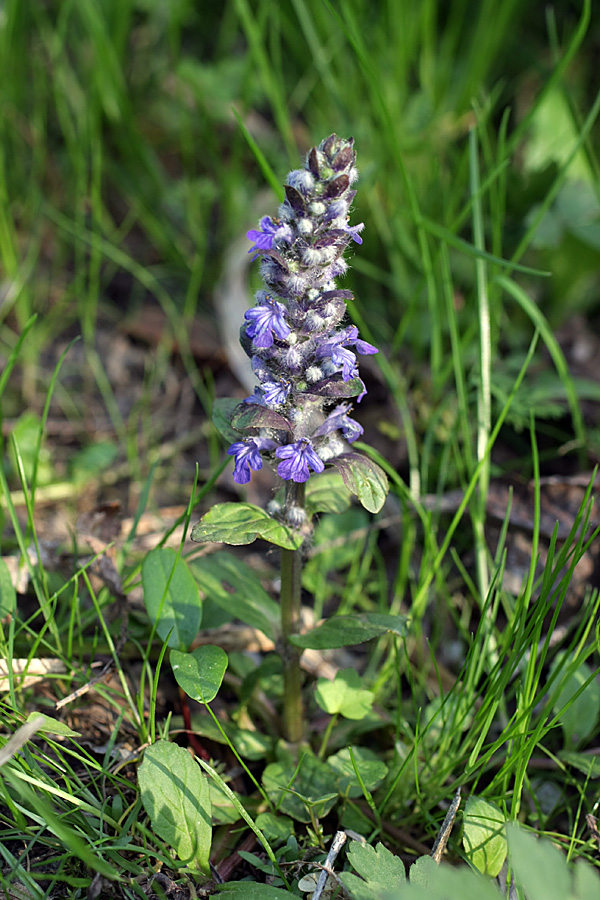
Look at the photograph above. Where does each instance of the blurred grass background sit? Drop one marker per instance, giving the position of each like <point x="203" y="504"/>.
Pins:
<point x="126" y="174"/>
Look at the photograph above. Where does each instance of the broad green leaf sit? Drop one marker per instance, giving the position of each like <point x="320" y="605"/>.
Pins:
<point x="577" y="717"/>
<point x="345" y="631"/>
<point x="586" y="884"/>
<point x="223" y="809"/>
<point x="276" y="829"/>
<point x="248" y="890"/>
<point x="380" y="869"/>
<point x="444" y="883"/>
<point x="222" y="410"/>
<point x="233" y="586"/>
<point x="588" y="765"/>
<point x="243" y="523"/>
<point x="249" y="744"/>
<point x="200" y="672"/>
<point x="344" y="695"/>
<point x="364" y="478"/>
<point x="422" y="871"/>
<point x="175" y="794"/>
<point x="327" y="493"/>
<point x="171" y="596"/>
<point x="371" y="768"/>
<point x="540" y="869"/>
<point x="484" y="835"/>
<point x="313" y="783"/>
<point x="50" y="725"/>
<point x="8" y="596"/>
<point x="253" y="416"/>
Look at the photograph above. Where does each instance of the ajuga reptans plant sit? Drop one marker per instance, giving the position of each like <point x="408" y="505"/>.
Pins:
<point x="303" y="353"/>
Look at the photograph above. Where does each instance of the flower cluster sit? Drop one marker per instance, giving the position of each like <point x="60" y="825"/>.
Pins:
<point x="302" y="355"/>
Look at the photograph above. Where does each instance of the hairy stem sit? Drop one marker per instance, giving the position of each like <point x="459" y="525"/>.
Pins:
<point x="291" y="587"/>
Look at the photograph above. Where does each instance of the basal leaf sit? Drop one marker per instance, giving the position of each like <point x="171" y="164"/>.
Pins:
<point x="247" y="890"/>
<point x="578" y="716"/>
<point x="242" y="523"/>
<point x="171" y="597"/>
<point x="380" y="869"/>
<point x="371" y="768"/>
<point x="175" y="795"/>
<point x="484" y="835"/>
<point x="345" y="631"/>
<point x="344" y="695"/>
<point x="200" y="672"/>
<point x="540" y="869"/>
<point x="311" y="787"/>
<point x="48" y="725"/>
<point x="231" y="584"/>
<point x="364" y="478"/>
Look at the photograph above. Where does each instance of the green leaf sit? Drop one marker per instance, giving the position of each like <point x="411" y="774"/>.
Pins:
<point x="175" y="795"/>
<point x="326" y="493"/>
<point x="364" y="478"/>
<point x="588" y="765"/>
<point x="222" y="411"/>
<point x="248" y="890"/>
<point x="242" y="523"/>
<point x="249" y="744"/>
<point x="540" y="868"/>
<point x="171" y="597"/>
<point x="484" y="835"/>
<point x="50" y="725"/>
<point x="200" y="672"/>
<point x="253" y="416"/>
<point x="344" y="695"/>
<point x="381" y="870"/>
<point x="372" y="770"/>
<point x="578" y="717"/>
<point x="345" y="631"/>
<point x="311" y="787"/>
<point x="276" y="829"/>
<point x="423" y="871"/>
<point x="233" y="586"/>
<point x="8" y="596"/>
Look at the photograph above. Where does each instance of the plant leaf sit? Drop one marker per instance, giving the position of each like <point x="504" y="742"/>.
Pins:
<point x="381" y="870"/>
<point x="242" y="523"/>
<point x="372" y="770"/>
<point x="248" y="890"/>
<point x="171" y="597"/>
<point x="364" y="478"/>
<point x="51" y="726"/>
<point x="345" y="631"/>
<point x="175" y="795"/>
<point x="326" y="493"/>
<point x="311" y="787"/>
<point x="484" y="835"/>
<point x="539" y="867"/>
<point x="252" y="415"/>
<point x="200" y="672"/>
<point x="578" y="717"/>
<point x="233" y="586"/>
<point x="344" y="695"/>
<point x="8" y="595"/>
<point x="222" y="411"/>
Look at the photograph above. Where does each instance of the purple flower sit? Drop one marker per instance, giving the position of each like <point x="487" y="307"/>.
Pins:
<point x="296" y="460"/>
<point x="269" y="232"/>
<point x="353" y="230"/>
<point x="276" y="391"/>
<point x="247" y="456"/>
<point x="339" y="419"/>
<point x="265" y="320"/>
<point x="337" y="350"/>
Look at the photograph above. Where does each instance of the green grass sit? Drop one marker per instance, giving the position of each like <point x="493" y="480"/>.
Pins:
<point x="136" y="141"/>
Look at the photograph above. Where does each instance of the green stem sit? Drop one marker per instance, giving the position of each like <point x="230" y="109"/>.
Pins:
<point x="291" y="588"/>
